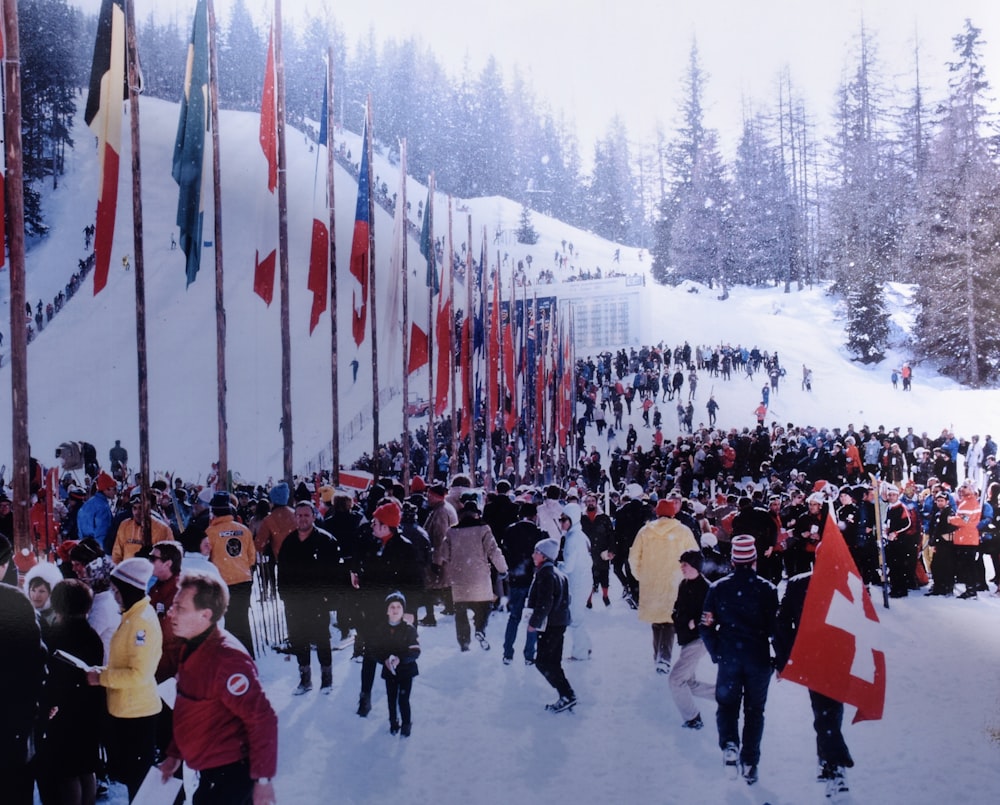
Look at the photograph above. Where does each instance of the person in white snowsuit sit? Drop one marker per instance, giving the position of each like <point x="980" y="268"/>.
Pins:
<point x="578" y="566"/>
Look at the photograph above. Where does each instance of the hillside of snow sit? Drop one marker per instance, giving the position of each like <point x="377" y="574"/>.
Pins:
<point x="82" y="367"/>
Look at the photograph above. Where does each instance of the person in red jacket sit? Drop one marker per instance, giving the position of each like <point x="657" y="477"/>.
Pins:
<point x="224" y="725"/>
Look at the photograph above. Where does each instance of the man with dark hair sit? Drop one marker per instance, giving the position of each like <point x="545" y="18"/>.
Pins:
<point x="309" y="565"/>
<point x="166" y="557"/>
<point x="22" y="673"/>
<point x="224" y="725"/>
<point x="518" y="544"/>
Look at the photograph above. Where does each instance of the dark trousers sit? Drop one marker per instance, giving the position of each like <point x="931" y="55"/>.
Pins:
<point x="309" y="625"/>
<point x="238" y="614"/>
<point x="548" y="659"/>
<point x="515" y="608"/>
<point x="943" y="567"/>
<point x="480" y="617"/>
<point x="225" y="785"/>
<point x="397" y="691"/>
<point x="900" y="558"/>
<point x="828" y="717"/>
<point x="624" y="573"/>
<point x="742" y="682"/>
<point x="131" y="745"/>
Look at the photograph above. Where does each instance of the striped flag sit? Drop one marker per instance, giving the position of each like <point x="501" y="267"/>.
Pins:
<point x="189" y="149"/>
<point x="443" y="329"/>
<point x="266" y="256"/>
<point x="319" y="250"/>
<point x="108" y="90"/>
<point x="360" y="246"/>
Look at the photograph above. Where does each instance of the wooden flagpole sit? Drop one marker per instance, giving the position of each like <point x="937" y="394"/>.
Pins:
<point x="286" y="338"/>
<point x="334" y="357"/>
<point x="404" y="279"/>
<point x="140" y="271"/>
<point x="470" y="407"/>
<point x="431" y="399"/>
<point x="220" y="303"/>
<point x="451" y="333"/>
<point x="489" y="376"/>
<point x="14" y="201"/>
<point x="371" y="289"/>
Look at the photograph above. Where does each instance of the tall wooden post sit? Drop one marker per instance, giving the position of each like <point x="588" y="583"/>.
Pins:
<point x="286" y="338"/>
<point x="220" y="306"/>
<point x="330" y="162"/>
<point x="134" y="81"/>
<point x="14" y="201"/>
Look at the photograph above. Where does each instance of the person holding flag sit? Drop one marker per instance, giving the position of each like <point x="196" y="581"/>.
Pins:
<point x="824" y="639"/>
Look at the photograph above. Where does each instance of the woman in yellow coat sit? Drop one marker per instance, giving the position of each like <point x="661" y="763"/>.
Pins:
<point x="130" y="677"/>
<point x="655" y="562"/>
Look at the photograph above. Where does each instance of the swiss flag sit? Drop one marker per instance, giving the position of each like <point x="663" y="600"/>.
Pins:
<point x="836" y="649"/>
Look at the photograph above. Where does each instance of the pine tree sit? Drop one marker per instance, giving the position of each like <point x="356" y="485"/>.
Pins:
<point x="681" y="157"/>
<point x="526" y="231"/>
<point x="864" y="230"/>
<point x="868" y="323"/>
<point x="958" y="225"/>
<point x="50" y="76"/>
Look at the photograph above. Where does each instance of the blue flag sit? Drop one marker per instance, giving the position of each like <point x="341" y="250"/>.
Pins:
<point x="189" y="149"/>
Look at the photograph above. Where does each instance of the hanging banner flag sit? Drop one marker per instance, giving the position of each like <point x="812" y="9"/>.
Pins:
<point x="108" y="90"/>
<point x="189" y="148"/>
<point x="360" y="246"/>
<point x="266" y="257"/>
<point x="319" y="244"/>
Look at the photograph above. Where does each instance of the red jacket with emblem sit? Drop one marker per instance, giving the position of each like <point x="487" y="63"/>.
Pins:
<point x="222" y="715"/>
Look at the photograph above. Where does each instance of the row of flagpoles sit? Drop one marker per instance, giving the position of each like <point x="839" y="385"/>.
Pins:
<point x="513" y="355"/>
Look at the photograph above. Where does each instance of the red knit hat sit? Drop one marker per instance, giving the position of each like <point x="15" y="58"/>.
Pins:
<point x="104" y="482"/>
<point x="668" y="507"/>
<point x="388" y="514"/>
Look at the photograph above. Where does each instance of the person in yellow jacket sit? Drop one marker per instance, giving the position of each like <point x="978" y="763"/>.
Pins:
<point x="232" y="551"/>
<point x="130" y="677"/>
<point x="128" y="539"/>
<point x="655" y="562"/>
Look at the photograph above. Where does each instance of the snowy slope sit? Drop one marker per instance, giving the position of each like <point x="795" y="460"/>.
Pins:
<point x="82" y="367"/>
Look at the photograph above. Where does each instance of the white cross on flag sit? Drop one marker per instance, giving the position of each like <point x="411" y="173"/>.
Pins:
<point x="836" y="649"/>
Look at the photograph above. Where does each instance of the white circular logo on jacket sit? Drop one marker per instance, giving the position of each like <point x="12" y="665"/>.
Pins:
<point x="238" y="684"/>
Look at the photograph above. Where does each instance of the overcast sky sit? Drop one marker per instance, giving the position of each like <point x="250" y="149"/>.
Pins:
<point x="596" y="58"/>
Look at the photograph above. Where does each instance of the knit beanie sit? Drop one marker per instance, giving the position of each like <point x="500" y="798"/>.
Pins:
<point x="744" y="550"/>
<point x="135" y="571"/>
<point x="388" y="514"/>
<point x="279" y="494"/>
<point x="693" y="558"/>
<point x="549" y="548"/>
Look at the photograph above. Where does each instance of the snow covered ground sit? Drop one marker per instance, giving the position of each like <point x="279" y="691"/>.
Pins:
<point x="480" y="734"/>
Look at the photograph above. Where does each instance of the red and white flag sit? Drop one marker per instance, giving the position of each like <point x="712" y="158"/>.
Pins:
<point x="836" y="650"/>
<point x="319" y="245"/>
<point x="106" y="96"/>
<point x="266" y="256"/>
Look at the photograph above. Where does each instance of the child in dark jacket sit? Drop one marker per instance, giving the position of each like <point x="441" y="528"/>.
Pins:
<point x="395" y="646"/>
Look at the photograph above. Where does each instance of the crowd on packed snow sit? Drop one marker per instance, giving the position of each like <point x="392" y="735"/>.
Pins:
<point x="731" y="508"/>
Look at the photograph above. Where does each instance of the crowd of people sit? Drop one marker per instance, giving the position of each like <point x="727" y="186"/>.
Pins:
<point x="701" y="532"/>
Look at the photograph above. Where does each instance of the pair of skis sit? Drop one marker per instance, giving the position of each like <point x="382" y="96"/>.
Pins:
<point x="880" y="539"/>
